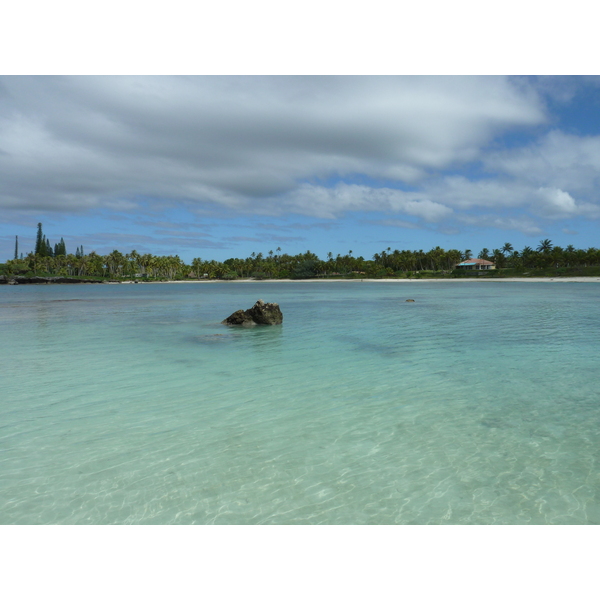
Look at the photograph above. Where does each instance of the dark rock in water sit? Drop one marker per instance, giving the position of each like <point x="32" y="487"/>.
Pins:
<point x="266" y="313"/>
<point x="260" y="314"/>
<point x="409" y="300"/>
<point x="239" y="317"/>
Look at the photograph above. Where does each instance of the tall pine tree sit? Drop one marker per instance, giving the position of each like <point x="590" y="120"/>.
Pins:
<point x="39" y="249"/>
<point x="60" y="249"/>
<point x="16" y="247"/>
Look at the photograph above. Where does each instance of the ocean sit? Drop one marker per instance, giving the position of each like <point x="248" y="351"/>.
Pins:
<point x="479" y="403"/>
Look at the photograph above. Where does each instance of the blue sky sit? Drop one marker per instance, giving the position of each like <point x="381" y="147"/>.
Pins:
<point x="225" y="166"/>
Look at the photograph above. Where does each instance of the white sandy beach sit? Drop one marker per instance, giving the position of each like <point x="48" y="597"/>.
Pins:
<point x="491" y="280"/>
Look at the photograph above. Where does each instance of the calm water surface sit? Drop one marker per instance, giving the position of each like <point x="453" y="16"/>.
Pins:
<point x="478" y="403"/>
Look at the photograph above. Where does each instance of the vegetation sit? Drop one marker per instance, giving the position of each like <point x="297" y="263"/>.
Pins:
<point x="546" y="260"/>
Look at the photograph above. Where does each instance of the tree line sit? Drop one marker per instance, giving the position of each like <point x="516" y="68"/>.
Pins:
<point x="56" y="261"/>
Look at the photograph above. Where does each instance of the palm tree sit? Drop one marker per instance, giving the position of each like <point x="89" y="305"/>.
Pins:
<point x="115" y="261"/>
<point x="33" y="261"/>
<point x="196" y="266"/>
<point x="453" y="257"/>
<point x="84" y="261"/>
<point x="545" y="246"/>
<point x="515" y="259"/>
<point x="527" y="255"/>
<point x="507" y="248"/>
<point x="499" y="258"/>
<point x="134" y="257"/>
<point x="467" y="254"/>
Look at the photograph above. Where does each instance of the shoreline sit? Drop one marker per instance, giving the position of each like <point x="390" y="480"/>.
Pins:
<point x="592" y="279"/>
<point x="366" y="280"/>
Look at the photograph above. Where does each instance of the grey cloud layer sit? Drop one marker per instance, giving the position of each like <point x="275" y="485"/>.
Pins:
<point x="263" y="144"/>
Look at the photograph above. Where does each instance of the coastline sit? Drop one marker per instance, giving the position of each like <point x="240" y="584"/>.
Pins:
<point x="318" y="281"/>
<point x="496" y="280"/>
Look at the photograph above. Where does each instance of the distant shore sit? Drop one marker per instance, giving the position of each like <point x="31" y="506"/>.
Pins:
<point x="413" y="280"/>
<point x="66" y="281"/>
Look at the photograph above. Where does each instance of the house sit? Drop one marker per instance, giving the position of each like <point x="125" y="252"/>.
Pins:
<point x="477" y="264"/>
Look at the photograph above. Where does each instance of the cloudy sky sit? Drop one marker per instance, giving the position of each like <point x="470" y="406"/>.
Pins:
<point x="221" y="166"/>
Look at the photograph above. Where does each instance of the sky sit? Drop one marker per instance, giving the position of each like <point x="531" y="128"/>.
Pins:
<point x="223" y="166"/>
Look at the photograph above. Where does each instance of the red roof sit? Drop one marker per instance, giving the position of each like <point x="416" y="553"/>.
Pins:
<point x="476" y="261"/>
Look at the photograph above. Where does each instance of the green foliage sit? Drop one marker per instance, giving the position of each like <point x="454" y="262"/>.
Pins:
<point x="307" y="269"/>
<point x="60" y="249"/>
<point x="38" y="240"/>
<point x="260" y="275"/>
<point x="547" y="261"/>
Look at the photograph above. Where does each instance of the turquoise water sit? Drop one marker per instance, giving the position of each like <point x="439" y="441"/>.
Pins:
<point x="478" y="403"/>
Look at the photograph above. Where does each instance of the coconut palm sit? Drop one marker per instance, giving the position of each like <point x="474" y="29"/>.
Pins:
<point x="514" y="260"/>
<point x="453" y="257"/>
<point x="499" y="258"/>
<point x="197" y="266"/>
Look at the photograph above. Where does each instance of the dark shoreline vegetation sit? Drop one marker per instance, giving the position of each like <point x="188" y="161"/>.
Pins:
<point x="47" y="265"/>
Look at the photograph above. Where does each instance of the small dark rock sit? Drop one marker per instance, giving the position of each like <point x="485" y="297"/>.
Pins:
<point x="409" y="300"/>
<point x="239" y="317"/>
<point x="261" y="313"/>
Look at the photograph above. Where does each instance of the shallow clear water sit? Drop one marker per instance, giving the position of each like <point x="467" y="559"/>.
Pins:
<point x="478" y="403"/>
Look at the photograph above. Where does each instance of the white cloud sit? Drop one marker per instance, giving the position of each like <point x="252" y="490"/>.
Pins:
<point x="523" y="225"/>
<point x="462" y="193"/>
<point x="80" y="142"/>
<point x="557" y="202"/>
<point x="558" y="160"/>
<point x="276" y="145"/>
<point x="504" y="194"/>
<point x="331" y="202"/>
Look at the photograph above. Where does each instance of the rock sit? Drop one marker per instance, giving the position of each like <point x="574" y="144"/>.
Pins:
<point x="239" y="317"/>
<point x="410" y="300"/>
<point x="260" y="314"/>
